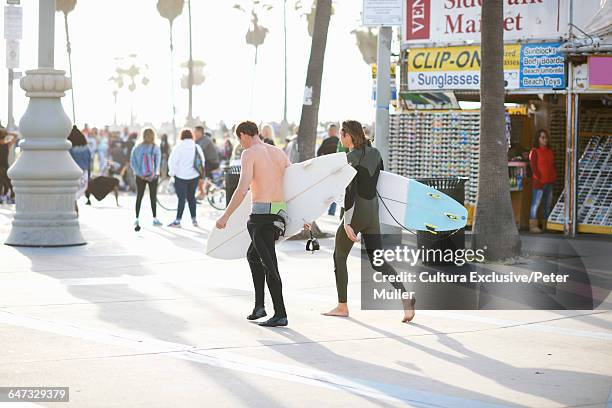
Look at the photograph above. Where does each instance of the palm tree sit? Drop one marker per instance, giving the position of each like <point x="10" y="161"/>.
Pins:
<point x="136" y="72"/>
<point x="190" y="121"/>
<point x="284" y="128"/>
<point x="255" y="35"/>
<point x="494" y="226"/>
<point x="118" y="83"/>
<point x="66" y="6"/>
<point x="310" y="14"/>
<point x="170" y="10"/>
<point x="367" y="42"/>
<point x="197" y="76"/>
<point x="307" y="132"/>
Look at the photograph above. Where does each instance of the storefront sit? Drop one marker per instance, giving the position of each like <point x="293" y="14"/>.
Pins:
<point x="431" y="137"/>
<point x="590" y="123"/>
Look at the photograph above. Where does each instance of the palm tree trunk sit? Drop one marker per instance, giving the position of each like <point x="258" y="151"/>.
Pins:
<point x="494" y="227"/>
<point x="307" y="132"/>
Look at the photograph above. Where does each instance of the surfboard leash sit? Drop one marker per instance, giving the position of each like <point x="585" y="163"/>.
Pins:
<point x="406" y="229"/>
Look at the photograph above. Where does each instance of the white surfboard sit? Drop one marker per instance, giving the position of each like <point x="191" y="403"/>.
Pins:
<point x="416" y="206"/>
<point x="309" y="187"/>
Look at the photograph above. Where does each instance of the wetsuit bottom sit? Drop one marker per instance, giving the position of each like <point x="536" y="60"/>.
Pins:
<point x="343" y="245"/>
<point x="261" y="256"/>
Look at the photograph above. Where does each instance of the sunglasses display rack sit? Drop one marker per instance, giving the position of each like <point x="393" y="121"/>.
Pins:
<point x="594" y="186"/>
<point x="595" y="121"/>
<point x="425" y="144"/>
<point x="557" y="132"/>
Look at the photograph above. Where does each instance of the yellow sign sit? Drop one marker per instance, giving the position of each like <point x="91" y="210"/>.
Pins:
<point x="458" y="58"/>
<point x="392" y="69"/>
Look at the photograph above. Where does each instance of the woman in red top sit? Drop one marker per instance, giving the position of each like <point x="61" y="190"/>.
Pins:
<point x="542" y="161"/>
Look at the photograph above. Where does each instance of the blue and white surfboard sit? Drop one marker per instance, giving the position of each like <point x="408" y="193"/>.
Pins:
<point x="416" y="206"/>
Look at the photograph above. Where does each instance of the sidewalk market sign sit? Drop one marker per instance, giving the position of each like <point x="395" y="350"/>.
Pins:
<point x="459" y="21"/>
<point x="526" y="66"/>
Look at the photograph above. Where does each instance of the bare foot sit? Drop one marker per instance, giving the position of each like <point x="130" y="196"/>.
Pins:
<point x="338" y="311"/>
<point x="408" y="310"/>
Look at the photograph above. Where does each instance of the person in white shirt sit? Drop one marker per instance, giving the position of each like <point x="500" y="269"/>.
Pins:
<point x="186" y="164"/>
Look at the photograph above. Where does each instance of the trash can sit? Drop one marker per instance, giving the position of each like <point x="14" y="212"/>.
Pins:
<point x="453" y="187"/>
<point x="232" y="176"/>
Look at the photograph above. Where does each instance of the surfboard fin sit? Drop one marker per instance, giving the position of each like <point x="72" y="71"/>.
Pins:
<point x="434" y="195"/>
<point x="431" y="228"/>
<point x="452" y="217"/>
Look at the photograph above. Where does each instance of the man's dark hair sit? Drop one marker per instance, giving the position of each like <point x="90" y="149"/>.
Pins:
<point x="247" y="127"/>
<point x="200" y="129"/>
<point x="186" y="134"/>
<point x="332" y="126"/>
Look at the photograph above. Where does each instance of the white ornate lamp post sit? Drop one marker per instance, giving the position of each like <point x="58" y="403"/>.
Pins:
<point x="44" y="176"/>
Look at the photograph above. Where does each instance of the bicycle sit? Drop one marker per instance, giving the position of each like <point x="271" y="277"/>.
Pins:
<point x="215" y="192"/>
<point x="215" y="189"/>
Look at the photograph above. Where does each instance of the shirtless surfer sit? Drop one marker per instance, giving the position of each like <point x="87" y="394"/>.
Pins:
<point x="263" y="168"/>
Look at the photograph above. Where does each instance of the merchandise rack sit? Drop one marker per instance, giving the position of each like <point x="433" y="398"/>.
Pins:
<point x="426" y="144"/>
<point x="557" y="132"/>
<point x="594" y="190"/>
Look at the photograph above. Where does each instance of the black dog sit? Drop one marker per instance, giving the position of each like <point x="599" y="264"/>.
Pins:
<point x="102" y="186"/>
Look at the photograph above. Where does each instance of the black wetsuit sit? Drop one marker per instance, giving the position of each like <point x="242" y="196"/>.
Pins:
<point x="265" y="227"/>
<point x="361" y="213"/>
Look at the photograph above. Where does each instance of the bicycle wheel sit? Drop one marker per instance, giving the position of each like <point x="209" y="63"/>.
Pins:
<point x="216" y="198"/>
<point x="166" y="196"/>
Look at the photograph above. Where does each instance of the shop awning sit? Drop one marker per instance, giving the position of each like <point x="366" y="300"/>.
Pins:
<point x="601" y="24"/>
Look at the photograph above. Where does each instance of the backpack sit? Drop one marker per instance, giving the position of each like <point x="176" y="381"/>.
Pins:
<point x="197" y="163"/>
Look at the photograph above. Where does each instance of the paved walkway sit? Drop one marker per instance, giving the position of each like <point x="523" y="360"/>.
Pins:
<point x="147" y="320"/>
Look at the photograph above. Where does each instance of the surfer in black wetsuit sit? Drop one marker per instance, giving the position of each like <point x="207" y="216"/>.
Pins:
<point x="262" y="170"/>
<point x="360" y="216"/>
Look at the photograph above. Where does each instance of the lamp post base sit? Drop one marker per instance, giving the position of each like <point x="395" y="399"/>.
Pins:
<point x="45" y="178"/>
<point x="45" y="219"/>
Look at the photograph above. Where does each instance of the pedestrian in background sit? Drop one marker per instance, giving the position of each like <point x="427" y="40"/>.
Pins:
<point x="211" y="156"/>
<point x="542" y="160"/>
<point x="329" y="145"/>
<point x="103" y="151"/>
<point x="228" y="147"/>
<point x="145" y="162"/>
<point x="7" y="141"/>
<point x="186" y="165"/>
<point x="81" y="154"/>
<point x="91" y="136"/>
<point x="164" y="147"/>
<point x="267" y="134"/>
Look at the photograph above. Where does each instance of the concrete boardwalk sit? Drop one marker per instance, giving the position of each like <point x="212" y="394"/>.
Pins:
<point x="147" y="320"/>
